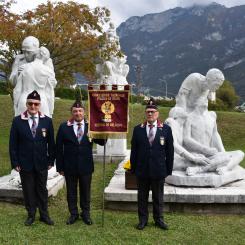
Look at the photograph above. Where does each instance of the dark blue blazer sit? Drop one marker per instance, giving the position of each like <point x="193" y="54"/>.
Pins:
<point x="28" y="152"/>
<point x="154" y="161"/>
<point x="72" y="157"/>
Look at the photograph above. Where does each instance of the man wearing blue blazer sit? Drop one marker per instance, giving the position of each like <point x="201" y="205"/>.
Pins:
<point x="32" y="153"/>
<point x="152" y="155"/>
<point x="74" y="160"/>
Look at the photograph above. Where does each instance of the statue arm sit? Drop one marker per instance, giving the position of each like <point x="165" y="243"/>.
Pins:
<point x="14" y="73"/>
<point x="216" y="139"/>
<point x="178" y="148"/>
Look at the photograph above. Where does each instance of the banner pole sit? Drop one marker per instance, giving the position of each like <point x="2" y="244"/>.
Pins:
<point x="103" y="191"/>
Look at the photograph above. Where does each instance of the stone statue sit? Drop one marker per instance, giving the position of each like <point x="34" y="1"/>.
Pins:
<point x="196" y="85"/>
<point x="33" y="70"/>
<point x="198" y="145"/>
<point x="182" y="157"/>
<point x="113" y="72"/>
<point x="201" y="136"/>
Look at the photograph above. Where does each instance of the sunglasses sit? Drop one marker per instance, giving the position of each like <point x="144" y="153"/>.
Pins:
<point x="33" y="103"/>
<point x="150" y="112"/>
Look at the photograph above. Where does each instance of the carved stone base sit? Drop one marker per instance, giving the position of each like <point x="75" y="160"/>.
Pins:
<point x="179" y="178"/>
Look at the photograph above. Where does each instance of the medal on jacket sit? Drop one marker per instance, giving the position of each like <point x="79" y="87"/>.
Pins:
<point x="44" y="132"/>
<point x="162" y="140"/>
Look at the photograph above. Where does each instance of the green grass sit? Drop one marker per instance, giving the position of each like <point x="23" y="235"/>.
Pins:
<point x="119" y="226"/>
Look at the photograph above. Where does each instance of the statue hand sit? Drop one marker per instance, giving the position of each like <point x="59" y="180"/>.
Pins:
<point x="201" y="161"/>
<point x="21" y="68"/>
<point x="212" y="151"/>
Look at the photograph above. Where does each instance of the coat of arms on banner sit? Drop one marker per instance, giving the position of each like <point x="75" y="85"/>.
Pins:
<point x="107" y="108"/>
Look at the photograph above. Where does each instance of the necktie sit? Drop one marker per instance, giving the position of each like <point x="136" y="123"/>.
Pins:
<point x="151" y="134"/>
<point x="79" y="132"/>
<point x="33" y="126"/>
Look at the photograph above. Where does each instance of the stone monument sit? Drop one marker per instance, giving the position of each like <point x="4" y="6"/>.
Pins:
<point x="113" y="72"/>
<point x="32" y="70"/>
<point x="200" y="157"/>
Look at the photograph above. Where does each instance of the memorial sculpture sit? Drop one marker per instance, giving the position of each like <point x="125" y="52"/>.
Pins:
<point x="113" y="72"/>
<point x="33" y="70"/>
<point x="199" y="151"/>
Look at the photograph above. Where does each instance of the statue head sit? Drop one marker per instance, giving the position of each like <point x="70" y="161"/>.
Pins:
<point x="201" y="104"/>
<point x="214" y="79"/>
<point x="30" y="47"/>
<point x="43" y="54"/>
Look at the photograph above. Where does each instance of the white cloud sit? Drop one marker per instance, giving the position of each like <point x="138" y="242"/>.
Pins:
<point x="121" y="10"/>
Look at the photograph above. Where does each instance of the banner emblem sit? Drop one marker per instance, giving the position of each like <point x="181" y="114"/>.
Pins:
<point x="107" y="108"/>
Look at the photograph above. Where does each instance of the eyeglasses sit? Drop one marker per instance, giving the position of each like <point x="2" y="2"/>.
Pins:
<point x="150" y="112"/>
<point x="33" y="103"/>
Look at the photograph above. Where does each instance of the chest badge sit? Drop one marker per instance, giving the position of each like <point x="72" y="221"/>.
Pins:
<point x="162" y="140"/>
<point x="44" y="132"/>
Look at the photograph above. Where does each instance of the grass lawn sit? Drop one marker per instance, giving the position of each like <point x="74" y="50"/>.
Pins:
<point x="119" y="226"/>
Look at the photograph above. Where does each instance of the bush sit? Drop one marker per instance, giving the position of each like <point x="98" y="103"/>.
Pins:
<point x="228" y="95"/>
<point x="219" y="105"/>
<point x="3" y="88"/>
<point x="166" y="103"/>
<point x="70" y="93"/>
<point x="136" y="99"/>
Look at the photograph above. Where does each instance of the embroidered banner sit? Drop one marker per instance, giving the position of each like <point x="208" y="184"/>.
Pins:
<point x="108" y="111"/>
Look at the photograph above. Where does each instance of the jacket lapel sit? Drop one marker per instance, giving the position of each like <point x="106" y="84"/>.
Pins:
<point x="85" y="131"/>
<point x="144" y="133"/>
<point x="72" y="134"/>
<point x="156" y="136"/>
<point x="27" y="129"/>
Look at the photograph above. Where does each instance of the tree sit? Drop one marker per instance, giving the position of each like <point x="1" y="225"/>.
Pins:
<point x="227" y="94"/>
<point x="72" y="32"/>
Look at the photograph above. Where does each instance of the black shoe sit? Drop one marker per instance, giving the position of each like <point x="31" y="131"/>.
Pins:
<point x="29" y="221"/>
<point x="87" y="220"/>
<point x="72" y="219"/>
<point x="161" y="225"/>
<point x="47" y="220"/>
<point x="141" y="225"/>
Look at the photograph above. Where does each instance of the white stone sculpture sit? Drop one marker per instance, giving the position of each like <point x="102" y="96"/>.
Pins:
<point x="33" y="71"/>
<point x="196" y="85"/>
<point x="113" y="72"/>
<point x="199" y="150"/>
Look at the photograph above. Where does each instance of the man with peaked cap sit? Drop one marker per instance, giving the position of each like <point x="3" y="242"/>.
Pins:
<point x="152" y="155"/>
<point x="32" y="153"/>
<point x="75" y="161"/>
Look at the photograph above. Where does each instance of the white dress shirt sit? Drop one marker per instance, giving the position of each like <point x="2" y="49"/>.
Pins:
<point x="154" y="128"/>
<point x="75" y="126"/>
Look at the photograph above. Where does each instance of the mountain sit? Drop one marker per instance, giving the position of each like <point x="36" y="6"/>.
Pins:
<point x="167" y="46"/>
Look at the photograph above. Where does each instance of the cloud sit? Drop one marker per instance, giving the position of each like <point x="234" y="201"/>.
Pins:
<point x="123" y="9"/>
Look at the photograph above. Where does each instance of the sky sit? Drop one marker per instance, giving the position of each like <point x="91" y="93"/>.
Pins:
<point x="121" y="10"/>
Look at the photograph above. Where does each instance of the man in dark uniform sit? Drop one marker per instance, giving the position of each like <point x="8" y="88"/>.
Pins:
<point x="152" y="155"/>
<point x="32" y="153"/>
<point x="75" y="161"/>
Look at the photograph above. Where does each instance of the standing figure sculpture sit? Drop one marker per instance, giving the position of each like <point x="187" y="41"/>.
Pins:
<point x="33" y="71"/>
